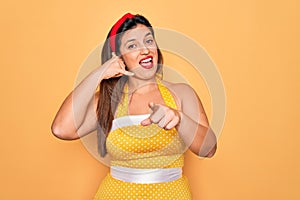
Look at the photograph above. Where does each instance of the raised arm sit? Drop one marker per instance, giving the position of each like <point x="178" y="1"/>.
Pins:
<point x="77" y="115"/>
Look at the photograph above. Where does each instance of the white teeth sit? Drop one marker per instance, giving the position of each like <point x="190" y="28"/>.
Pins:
<point x="147" y="60"/>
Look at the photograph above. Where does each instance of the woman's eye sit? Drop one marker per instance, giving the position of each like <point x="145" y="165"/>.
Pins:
<point x="149" y="41"/>
<point x="131" y="46"/>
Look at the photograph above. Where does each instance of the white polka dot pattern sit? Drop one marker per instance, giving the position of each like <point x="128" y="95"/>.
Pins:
<point x="147" y="147"/>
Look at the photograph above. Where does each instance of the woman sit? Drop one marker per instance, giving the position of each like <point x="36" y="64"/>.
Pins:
<point x="143" y="122"/>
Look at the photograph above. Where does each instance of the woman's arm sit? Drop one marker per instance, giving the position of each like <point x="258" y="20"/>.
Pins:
<point x="190" y="120"/>
<point x="194" y="126"/>
<point x="77" y="115"/>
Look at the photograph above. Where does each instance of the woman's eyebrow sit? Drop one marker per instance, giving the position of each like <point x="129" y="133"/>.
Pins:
<point x="130" y="40"/>
<point x="149" y="33"/>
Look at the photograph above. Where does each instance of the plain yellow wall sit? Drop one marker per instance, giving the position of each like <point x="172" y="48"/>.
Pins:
<point x="255" y="45"/>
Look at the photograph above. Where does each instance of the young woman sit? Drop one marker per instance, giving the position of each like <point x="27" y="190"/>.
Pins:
<point x="143" y="122"/>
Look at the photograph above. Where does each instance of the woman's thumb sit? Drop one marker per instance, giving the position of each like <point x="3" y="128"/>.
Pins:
<point x="146" y="122"/>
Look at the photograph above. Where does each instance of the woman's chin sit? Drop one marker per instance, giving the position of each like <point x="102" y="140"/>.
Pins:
<point x="144" y="72"/>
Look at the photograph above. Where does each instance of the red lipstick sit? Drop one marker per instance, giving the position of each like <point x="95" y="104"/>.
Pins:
<point x="147" y="62"/>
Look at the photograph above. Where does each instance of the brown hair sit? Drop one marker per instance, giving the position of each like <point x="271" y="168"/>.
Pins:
<point x="111" y="89"/>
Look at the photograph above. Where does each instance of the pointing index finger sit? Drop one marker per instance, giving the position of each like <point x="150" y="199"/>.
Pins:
<point x="153" y="106"/>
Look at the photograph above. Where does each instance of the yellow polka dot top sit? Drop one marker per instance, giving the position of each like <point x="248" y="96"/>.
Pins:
<point x="133" y="145"/>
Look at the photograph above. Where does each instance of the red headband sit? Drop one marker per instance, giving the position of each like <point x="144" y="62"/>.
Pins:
<point x="115" y="29"/>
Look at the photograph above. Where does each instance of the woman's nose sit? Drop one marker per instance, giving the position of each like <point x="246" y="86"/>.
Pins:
<point x="144" y="49"/>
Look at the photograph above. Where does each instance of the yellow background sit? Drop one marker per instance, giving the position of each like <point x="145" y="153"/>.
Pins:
<point x="255" y="45"/>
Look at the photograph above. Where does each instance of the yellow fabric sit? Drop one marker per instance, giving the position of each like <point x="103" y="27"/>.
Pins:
<point x="138" y="146"/>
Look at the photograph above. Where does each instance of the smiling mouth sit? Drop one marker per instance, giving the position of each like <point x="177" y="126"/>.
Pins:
<point x="147" y="62"/>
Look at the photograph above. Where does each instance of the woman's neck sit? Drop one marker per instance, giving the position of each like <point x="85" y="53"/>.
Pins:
<point x="141" y="86"/>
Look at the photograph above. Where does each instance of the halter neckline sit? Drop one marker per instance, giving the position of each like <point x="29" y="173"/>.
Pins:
<point x="122" y="109"/>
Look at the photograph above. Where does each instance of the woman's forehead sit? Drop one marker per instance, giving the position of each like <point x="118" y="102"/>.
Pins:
<point x="140" y="31"/>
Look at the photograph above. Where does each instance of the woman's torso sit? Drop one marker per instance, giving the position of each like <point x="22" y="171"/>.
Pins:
<point x="133" y="145"/>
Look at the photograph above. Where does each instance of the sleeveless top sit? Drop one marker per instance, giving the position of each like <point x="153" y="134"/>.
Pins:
<point x="136" y="146"/>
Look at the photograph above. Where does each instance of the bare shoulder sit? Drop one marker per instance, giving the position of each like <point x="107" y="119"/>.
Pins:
<point x="180" y="91"/>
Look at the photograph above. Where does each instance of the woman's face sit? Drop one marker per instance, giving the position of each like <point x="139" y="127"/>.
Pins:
<point x="139" y="51"/>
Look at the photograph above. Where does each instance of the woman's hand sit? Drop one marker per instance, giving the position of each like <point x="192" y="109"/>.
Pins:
<point x="115" y="67"/>
<point x="162" y="115"/>
<point x="77" y="115"/>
